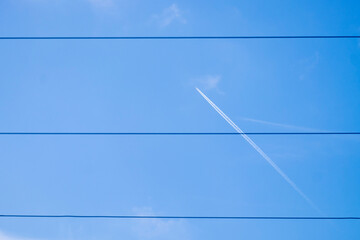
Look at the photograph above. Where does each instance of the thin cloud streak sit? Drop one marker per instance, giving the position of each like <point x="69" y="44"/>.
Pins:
<point x="277" y="124"/>
<point x="260" y="151"/>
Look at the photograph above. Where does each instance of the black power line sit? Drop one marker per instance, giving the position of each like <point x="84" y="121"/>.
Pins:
<point x="185" y="37"/>
<point x="179" y="133"/>
<point x="177" y="217"/>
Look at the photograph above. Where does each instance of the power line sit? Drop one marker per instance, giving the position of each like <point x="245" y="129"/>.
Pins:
<point x="186" y="37"/>
<point x="179" y="133"/>
<point x="177" y="217"/>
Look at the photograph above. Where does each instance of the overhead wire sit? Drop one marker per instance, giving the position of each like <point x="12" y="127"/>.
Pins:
<point x="177" y="37"/>
<point x="180" y="217"/>
<point x="179" y="133"/>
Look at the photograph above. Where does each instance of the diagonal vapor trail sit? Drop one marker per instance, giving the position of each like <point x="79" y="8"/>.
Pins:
<point x="260" y="151"/>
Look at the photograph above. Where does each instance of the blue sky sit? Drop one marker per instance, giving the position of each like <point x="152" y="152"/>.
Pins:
<point x="149" y="86"/>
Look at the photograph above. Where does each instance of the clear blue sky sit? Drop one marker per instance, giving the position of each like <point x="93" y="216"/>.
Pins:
<point x="149" y="86"/>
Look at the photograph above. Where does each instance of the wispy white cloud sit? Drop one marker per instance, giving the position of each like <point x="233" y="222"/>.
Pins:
<point x="158" y="228"/>
<point x="93" y="3"/>
<point x="4" y="236"/>
<point x="169" y="15"/>
<point x="211" y="82"/>
<point x="102" y="3"/>
<point x="310" y="64"/>
<point x="208" y="82"/>
<point x="41" y="1"/>
<point x="277" y="124"/>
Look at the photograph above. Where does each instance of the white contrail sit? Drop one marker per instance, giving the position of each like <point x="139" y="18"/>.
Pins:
<point x="259" y="150"/>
